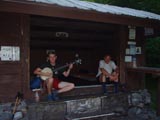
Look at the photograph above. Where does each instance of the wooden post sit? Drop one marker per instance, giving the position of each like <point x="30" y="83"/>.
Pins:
<point x="140" y="42"/>
<point x="25" y="37"/>
<point x="123" y="36"/>
<point x="158" y="99"/>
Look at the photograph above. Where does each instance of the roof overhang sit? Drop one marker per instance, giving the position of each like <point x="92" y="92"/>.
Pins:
<point x="52" y="10"/>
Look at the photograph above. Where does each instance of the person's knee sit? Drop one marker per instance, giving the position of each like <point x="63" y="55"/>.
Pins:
<point x="50" y="81"/>
<point x="102" y="75"/>
<point x="72" y="85"/>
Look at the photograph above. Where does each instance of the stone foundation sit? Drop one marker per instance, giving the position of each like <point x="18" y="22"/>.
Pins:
<point x="121" y="106"/>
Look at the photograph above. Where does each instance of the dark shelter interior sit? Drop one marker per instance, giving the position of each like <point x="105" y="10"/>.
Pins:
<point x="68" y="37"/>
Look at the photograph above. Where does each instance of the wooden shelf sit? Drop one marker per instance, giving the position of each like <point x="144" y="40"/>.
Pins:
<point x="150" y="70"/>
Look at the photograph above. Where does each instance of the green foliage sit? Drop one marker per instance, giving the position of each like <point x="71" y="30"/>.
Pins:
<point x="152" y="60"/>
<point x="151" y="85"/>
<point x="153" y="52"/>
<point x="147" y="5"/>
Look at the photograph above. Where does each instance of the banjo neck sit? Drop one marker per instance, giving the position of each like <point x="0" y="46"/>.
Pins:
<point x="49" y="70"/>
<point x="59" y="68"/>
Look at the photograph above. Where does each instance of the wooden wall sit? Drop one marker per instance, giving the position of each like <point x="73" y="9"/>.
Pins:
<point x="136" y="80"/>
<point x="90" y="40"/>
<point x="13" y="74"/>
<point x="36" y="34"/>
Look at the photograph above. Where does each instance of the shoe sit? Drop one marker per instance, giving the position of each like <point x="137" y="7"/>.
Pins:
<point x="115" y="87"/>
<point x="55" y="95"/>
<point x="104" y="88"/>
<point x="49" y="97"/>
<point x="105" y="93"/>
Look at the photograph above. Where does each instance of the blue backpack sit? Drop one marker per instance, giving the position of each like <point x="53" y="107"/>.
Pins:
<point x="35" y="83"/>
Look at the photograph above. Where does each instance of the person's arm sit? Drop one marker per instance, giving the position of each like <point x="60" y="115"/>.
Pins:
<point x="115" y="74"/>
<point x="117" y="70"/>
<point x="115" y="67"/>
<point x="104" y="72"/>
<point x="67" y="72"/>
<point x="38" y="70"/>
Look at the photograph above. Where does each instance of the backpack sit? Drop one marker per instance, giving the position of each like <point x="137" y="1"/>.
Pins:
<point x="35" y="83"/>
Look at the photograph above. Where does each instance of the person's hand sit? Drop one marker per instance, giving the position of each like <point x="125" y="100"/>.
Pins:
<point x="111" y="77"/>
<point x="48" y="74"/>
<point x="70" y="66"/>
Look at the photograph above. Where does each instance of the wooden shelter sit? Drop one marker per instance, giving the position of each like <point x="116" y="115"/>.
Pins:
<point x="31" y="28"/>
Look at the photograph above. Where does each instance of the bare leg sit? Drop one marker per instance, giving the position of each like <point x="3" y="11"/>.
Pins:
<point x="114" y="77"/>
<point x="49" y="85"/>
<point x="102" y="79"/>
<point x="65" y="86"/>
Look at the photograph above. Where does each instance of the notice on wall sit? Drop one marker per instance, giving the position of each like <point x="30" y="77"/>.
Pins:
<point x="127" y="51"/>
<point x="128" y="58"/>
<point x="132" y="50"/>
<point x="10" y="53"/>
<point x="138" y="50"/>
<point x="132" y="33"/>
<point x="148" y="31"/>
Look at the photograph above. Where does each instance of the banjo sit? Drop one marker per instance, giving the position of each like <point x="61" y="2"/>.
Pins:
<point x="49" y="70"/>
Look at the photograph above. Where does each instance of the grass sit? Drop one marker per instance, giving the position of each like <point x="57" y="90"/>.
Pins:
<point x="151" y="85"/>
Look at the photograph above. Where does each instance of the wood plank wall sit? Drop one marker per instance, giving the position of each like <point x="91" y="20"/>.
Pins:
<point x="90" y="40"/>
<point x="136" y="80"/>
<point x="12" y="76"/>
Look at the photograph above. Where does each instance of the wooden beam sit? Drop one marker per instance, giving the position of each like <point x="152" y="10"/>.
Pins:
<point x="87" y="44"/>
<point x="48" y="22"/>
<point x="150" y="70"/>
<point x="81" y="36"/>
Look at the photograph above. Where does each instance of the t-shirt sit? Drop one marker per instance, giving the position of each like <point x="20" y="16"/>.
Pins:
<point x="56" y="74"/>
<point x="108" y="67"/>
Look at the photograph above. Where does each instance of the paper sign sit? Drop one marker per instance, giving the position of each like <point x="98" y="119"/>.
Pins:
<point x="131" y="43"/>
<point x="127" y="51"/>
<point x="138" y="50"/>
<point x="128" y="58"/>
<point x="148" y="31"/>
<point x="132" y="49"/>
<point x="132" y="33"/>
<point x="9" y="53"/>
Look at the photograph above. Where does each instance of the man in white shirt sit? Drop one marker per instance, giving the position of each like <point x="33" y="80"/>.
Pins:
<point x="108" y="72"/>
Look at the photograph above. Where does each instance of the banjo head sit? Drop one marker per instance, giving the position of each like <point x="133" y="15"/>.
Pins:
<point x="46" y="70"/>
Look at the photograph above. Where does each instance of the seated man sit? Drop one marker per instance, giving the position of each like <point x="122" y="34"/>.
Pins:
<point x="53" y="77"/>
<point x="106" y="74"/>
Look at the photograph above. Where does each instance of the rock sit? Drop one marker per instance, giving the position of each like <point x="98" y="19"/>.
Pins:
<point x="158" y="118"/>
<point x="120" y="110"/>
<point x="134" y="111"/>
<point x="18" y="116"/>
<point x="21" y="106"/>
<point x="6" y="116"/>
<point x="5" y="107"/>
<point x="135" y="99"/>
<point x="146" y="96"/>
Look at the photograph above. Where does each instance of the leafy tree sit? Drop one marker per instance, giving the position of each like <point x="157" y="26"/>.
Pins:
<point x="147" y="5"/>
<point x="153" y="52"/>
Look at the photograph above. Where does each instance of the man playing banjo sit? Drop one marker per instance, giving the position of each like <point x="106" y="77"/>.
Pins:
<point x="52" y="78"/>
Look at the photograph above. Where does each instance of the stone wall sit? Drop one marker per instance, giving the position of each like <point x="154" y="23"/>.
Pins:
<point x="121" y="106"/>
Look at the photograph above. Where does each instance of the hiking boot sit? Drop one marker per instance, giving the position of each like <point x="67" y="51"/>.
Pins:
<point x="105" y="93"/>
<point x="55" y="95"/>
<point x="49" y="97"/>
<point x="116" y="87"/>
